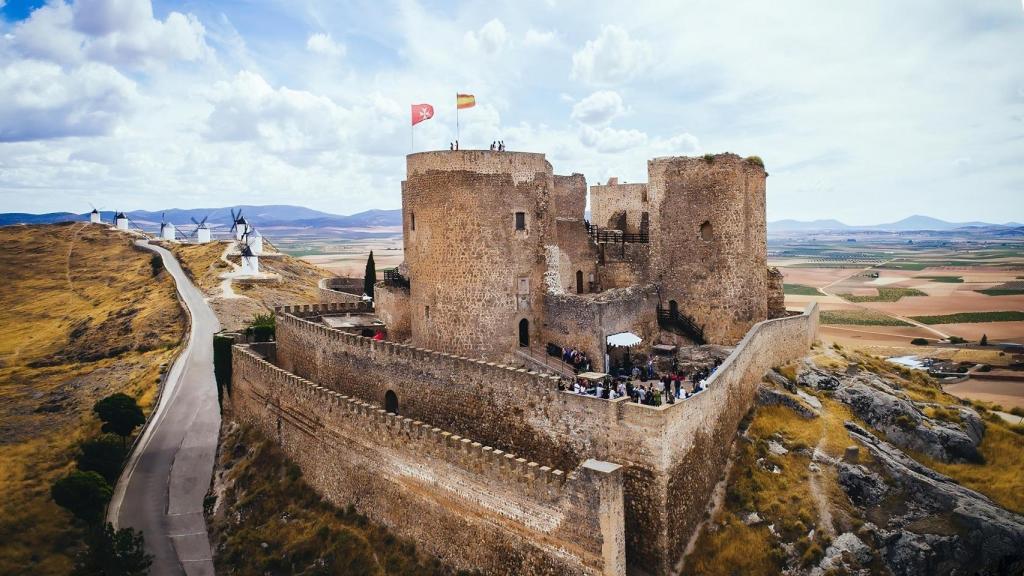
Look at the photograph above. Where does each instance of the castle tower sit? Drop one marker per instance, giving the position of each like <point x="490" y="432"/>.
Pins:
<point x="475" y="223"/>
<point x="708" y="248"/>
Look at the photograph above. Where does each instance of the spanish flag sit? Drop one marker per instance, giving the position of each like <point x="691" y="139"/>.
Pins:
<point x="465" y="101"/>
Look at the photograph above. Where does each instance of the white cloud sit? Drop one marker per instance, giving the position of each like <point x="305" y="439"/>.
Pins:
<point x="324" y="45"/>
<point x="490" y="39"/>
<point x="118" y="32"/>
<point x="612" y="58"/>
<point x="598" y="108"/>
<point x="539" y="38"/>
<point x="608" y="139"/>
<point x="42" y="101"/>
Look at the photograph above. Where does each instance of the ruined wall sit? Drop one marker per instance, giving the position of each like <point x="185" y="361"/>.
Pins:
<point x="391" y="303"/>
<point x="624" y="264"/>
<point x="473" y="276"/>
<point x="569" y="196"/>
<point x="585" y="322"/>
<point x="339" y="290"/>
<point x="776" y="294"/>
<point x="473" y="506"/>
<point x="608" y="201"/>
<point x="673" y="454"/>
<point x="708" y="241"/>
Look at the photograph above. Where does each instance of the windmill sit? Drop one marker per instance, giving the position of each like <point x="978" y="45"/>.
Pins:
<point x="202" y="231"/>
<point x="166" y="228"/>
<point x="239" y="225"/>
<point x="121" y="221"/>
<point x="94" y="216"/>
<point x="250" y="260"/>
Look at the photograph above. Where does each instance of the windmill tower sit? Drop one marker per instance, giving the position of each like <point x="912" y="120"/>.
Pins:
<point x="121" y="221"/>
<point x="239" y="225"/>
<point x="166" y="229"/>
<point x="250" y="261"/>
<point x="94" y="217"/>
<point x="202" y="231"/>
<point x="255" y="241"/>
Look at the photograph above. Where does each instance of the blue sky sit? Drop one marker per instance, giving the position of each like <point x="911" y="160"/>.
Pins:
<point x="865" y="112"/>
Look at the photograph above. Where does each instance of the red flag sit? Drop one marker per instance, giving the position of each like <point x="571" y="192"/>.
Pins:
<point x="421" y="112"/>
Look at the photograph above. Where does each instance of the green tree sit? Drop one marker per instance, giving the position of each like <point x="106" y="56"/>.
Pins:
<point x="263" y="327"/>
<point x="112" y="552"/>
<point x="103" y="455"/>
<point x="120" y="415"/>
<point x="984" y="340"/>
<point x="84" y="494"/>
<point x="369" y="276"/>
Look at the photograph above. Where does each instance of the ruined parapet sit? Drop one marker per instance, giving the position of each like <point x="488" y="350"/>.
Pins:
<point x="339" y="290"/>
<point x="569" y="196"/>
<point x="475" y="506"/>
<point x="391" y="304"/>
<point x="475" y="223"/>
<point x="708" y="241"/>
<point x="776" y="293"/>
<point x="618" y="206"/>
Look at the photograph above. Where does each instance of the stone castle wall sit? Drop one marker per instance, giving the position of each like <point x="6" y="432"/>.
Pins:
<point x="609" y="202"/>
<point x="471" y="505"/>
<point x="577" y="253"/>
<point x="391" y="303"/>
<point x="570" y="196"/>
<point x="339" y="290"/>
<point x="473" y="276"/>
<point x="624" y="264"/>
<point x="708" y="241"/>
<point x="776" y="293"/>
<point x="673" y="454"/>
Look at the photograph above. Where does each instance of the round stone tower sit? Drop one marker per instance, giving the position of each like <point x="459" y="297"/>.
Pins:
<point x="708" y="248"/>
<point x="475" y="224"/>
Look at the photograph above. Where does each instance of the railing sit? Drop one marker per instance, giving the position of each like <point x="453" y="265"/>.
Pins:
<point x="615" y="236"/>
<point x="393" y="278"/>
<point x="674" y="320"/>
<point x="550" y="364"/>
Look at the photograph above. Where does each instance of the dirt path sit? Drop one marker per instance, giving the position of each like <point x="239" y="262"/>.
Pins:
<point x="67" y="260"/>
<point x="820" y="499"/>
<point x="226" y="290"/>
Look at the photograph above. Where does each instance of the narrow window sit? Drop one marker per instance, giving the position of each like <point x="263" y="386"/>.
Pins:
<point x="520" y="220"/>
<point x="426" y="312"/>
<point x="524" y="333"/>
<point x="412" y="220"/>
<point x="707" y="233"/>
<point x="391" y="402"/>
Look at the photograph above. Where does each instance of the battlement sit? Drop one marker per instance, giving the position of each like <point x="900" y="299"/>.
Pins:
<point x="313" y="310"/>
<point x="338" y="290"/>
<point x="522" y="166"/>
<point x="540" y="481"/>
<point x="720" y="159"/>
<point x="500" y="372"/>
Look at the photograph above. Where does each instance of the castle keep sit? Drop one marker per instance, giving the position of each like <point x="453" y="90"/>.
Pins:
<point x="457" y="430"/>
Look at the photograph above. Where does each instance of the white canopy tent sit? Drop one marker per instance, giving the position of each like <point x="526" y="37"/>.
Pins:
<point x="624" y="339"/>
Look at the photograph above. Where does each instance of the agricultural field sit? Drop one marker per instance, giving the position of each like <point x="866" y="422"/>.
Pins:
<point x="86" y="314"/>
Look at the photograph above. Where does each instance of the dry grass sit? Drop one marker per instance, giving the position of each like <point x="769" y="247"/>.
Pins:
<point x="83" y="317"/>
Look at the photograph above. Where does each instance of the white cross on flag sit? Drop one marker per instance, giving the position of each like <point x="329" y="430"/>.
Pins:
<point x="421" y="112"/>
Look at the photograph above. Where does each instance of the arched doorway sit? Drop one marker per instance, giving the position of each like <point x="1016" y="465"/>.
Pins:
<point x="524" y="332"/>
<point x="673" y="308"/>
<point x="579" y="281"/>
<point x="391" y="402"/>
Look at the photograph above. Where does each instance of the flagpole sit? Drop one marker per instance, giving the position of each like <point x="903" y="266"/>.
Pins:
<point x="456" y="117"/>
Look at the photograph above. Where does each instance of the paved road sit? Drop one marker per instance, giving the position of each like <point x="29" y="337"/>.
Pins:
<point x="162" y="488"/>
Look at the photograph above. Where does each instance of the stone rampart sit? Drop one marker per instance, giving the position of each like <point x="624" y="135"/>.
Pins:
<point x="331" y="290"/>
<point x="316" y="310"/>
<point x="472" y="505"/>
<point x="391" y="304"/>
<point x="673" y="454"/>
<point x="522" y="166"/>
<point x="619" y="206"/>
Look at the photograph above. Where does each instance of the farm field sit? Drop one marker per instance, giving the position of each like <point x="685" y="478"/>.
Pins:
<point x="964" y="288"/>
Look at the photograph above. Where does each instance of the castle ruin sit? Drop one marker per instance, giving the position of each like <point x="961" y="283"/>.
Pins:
<point x="457" y="431"/>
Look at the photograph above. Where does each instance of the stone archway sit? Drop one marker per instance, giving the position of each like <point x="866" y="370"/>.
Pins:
<point x="391" y="402"/>
<point x="524" y="333"/>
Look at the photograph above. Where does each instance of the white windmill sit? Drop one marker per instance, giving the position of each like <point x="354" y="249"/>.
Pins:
<point x="250" y="260"/>
<point x="255" y="241"/>
<point x="94" y="216"/>
<point x="166" y="228"/>
<point x="121" y="221"/>
<point x="239" y="225"/>
<point x="202" y="231"/>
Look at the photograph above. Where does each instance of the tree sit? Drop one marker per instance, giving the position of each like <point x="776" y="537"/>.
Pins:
<point x="112" y="552"/>
<point x="370" y="276"/>
<point x="84" y="494"/>
<point x="103" y="455"/>
<point x="120" y="414"/>
<point x="263" y="327"/>
<point x="984" y="340"/>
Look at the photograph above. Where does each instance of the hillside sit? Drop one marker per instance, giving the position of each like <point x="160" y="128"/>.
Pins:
<point x="84" y="317"/>
<point x="851" y="465"/>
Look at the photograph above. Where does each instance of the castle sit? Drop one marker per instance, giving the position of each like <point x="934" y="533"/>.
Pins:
<point x="457" y="431"/>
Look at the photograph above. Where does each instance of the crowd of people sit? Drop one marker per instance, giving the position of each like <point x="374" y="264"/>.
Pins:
<point x="498" y="146"/>
<point x="577" y="359"/>
<point x="643" y="385"/>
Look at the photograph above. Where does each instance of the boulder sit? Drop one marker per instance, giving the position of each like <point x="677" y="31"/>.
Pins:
<point x="864" y="487"/>
<point x="817" y="379"/>
<point x="771" y="397"/>
<point x="779" y="380"/>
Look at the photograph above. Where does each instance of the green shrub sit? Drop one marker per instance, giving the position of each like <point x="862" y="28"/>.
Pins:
<point x="156" y="263"/>
<point x="1017" y="411"/>
<point x="957" y="340"/>
<point x="263" y="327"/>
<point x="756" y="161"/>
<point x="905" y="422"/>
<point x="120" y="414"/>
<point x="84" y="494"/>
<point x="919" y="341"/>
<point x="104" y="455"/>
<point x="709" y="158"/>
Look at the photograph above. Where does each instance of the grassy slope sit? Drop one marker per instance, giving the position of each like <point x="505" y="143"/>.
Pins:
<point x="83" y="318"/>
<point x="270" y="520"/>
<point x="731" y="547"/>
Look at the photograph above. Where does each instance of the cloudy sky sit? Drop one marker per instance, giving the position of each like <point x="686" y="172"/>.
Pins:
<point x="862" y="111"/>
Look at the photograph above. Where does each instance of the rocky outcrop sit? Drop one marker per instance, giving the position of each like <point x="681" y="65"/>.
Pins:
<point x="987" y="539"/>
<point x="864" y="487"/>
<point x="771" y="397"/>
<point x="817" y="379"/>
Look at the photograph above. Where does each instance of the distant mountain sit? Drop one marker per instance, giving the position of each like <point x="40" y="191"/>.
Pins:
<point x="259" y="216"/>
<point x="916" y="222"/>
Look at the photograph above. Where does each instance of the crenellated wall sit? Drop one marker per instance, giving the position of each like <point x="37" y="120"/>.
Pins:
<point x="673" y="454"/>
<point x="472" y="505"/>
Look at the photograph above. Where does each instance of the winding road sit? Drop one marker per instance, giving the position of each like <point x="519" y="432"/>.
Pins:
<point x="162" y="487"/>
